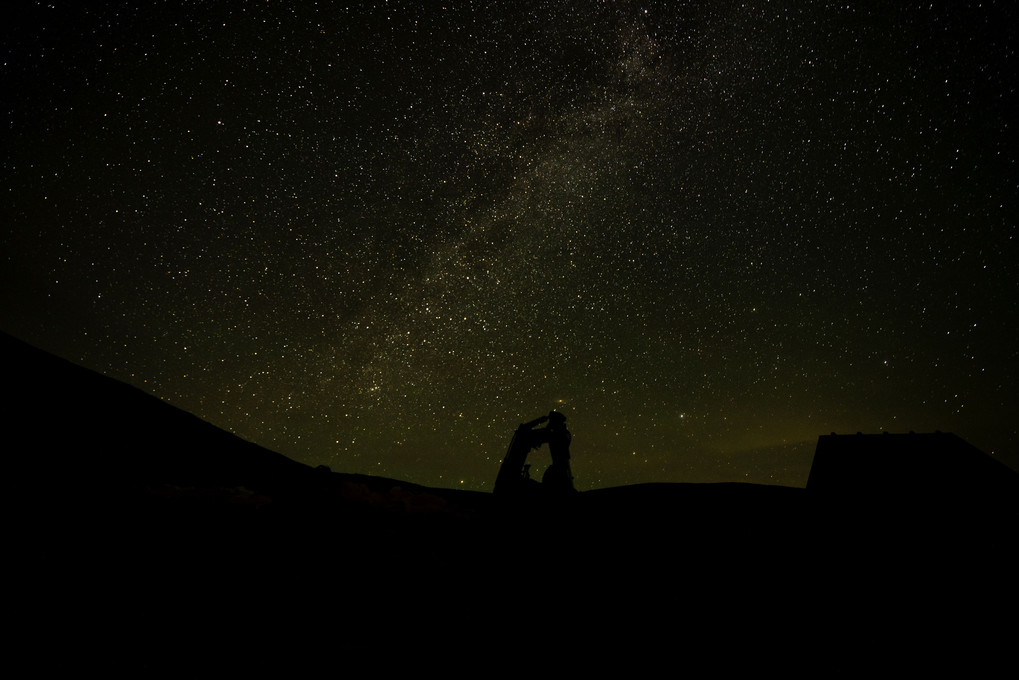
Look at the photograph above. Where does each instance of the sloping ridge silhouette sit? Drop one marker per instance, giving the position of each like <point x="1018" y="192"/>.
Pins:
<point x="93" y="436"/>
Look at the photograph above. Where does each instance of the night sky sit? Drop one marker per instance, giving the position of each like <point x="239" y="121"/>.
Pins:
<point x="379" y="236"/>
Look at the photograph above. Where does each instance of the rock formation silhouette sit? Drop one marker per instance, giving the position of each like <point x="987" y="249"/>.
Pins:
<point x="514" y="474"/>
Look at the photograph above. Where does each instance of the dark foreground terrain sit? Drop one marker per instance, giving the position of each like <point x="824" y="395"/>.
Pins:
<point x="146" y="540"/>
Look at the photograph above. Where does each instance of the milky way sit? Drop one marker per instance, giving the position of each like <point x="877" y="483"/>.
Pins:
<point x="380" y="237"/>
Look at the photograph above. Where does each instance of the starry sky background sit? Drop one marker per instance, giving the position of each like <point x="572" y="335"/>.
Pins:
<point x="379" y="236"/>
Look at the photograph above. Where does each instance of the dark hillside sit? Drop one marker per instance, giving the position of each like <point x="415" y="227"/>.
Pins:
<point x="194" y="540"/>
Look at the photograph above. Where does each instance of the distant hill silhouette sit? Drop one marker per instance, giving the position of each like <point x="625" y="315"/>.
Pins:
<point x="939" y="470"/>
<point x="125" y="504"/>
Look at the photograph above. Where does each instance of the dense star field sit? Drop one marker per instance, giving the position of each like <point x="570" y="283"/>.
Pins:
<point x="379" y="236"/>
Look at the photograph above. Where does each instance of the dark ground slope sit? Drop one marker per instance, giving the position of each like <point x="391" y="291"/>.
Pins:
<point x="136" y="522"/>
